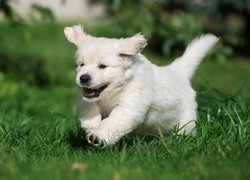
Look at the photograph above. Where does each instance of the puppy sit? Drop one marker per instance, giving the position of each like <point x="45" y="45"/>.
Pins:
<point x="120" y="91"/>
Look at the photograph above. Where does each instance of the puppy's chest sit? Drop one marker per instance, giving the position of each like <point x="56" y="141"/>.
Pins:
<point x="107" y="106"/>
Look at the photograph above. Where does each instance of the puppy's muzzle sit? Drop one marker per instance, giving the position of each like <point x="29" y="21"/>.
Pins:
<point x="85" y="79"/>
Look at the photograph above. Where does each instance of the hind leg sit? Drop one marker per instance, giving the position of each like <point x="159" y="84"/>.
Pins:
<point x="187" y="121"/>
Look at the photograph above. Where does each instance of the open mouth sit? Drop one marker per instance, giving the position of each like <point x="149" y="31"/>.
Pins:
<point x="92" y="93"/>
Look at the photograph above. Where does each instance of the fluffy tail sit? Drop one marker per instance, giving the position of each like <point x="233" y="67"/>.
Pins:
<point x="193" y="55"/>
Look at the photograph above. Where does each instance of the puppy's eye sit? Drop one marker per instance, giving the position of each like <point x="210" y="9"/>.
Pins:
<point x="81" y="64"/>
<point x="102" y="66"/>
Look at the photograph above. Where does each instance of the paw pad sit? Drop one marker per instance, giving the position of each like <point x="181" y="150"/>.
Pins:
<point x="95" y="141"/>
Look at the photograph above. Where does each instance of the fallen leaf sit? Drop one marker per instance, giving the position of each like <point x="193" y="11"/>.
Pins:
<point x="78" y="166"/>
<point x="117" y="176"/>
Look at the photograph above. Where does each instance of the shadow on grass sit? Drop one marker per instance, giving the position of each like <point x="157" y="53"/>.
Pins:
<point x="76" y="139"/>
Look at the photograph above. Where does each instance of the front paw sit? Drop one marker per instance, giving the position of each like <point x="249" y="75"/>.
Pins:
<point x="95" y="141"/>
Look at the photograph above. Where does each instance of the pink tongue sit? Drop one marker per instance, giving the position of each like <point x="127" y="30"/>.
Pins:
<point x="89" y="92"/>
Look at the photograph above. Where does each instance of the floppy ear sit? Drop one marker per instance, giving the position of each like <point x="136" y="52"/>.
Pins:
<point x="132" y="45"/>
<point x="75" y="34"/>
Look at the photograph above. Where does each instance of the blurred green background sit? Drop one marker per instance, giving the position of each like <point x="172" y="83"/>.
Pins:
<point x="37" y="63"/>
<point x="37" y="83"/>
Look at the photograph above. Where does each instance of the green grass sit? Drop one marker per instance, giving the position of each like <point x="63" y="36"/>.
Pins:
<point x="40" y="136"/>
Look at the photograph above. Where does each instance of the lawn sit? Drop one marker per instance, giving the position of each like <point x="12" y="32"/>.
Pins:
<point x="40" y="136"/>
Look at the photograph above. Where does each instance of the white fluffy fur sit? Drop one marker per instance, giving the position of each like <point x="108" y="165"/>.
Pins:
<point x="140" y="96"/>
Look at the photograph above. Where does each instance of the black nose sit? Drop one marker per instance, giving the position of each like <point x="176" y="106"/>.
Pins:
<point x="84" y="79"/>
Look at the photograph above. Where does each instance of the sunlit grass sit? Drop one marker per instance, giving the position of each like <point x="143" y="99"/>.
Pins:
<point x="47" y="145"/>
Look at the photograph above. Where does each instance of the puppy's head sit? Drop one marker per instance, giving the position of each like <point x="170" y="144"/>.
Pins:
<point x="103" y="64"/>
